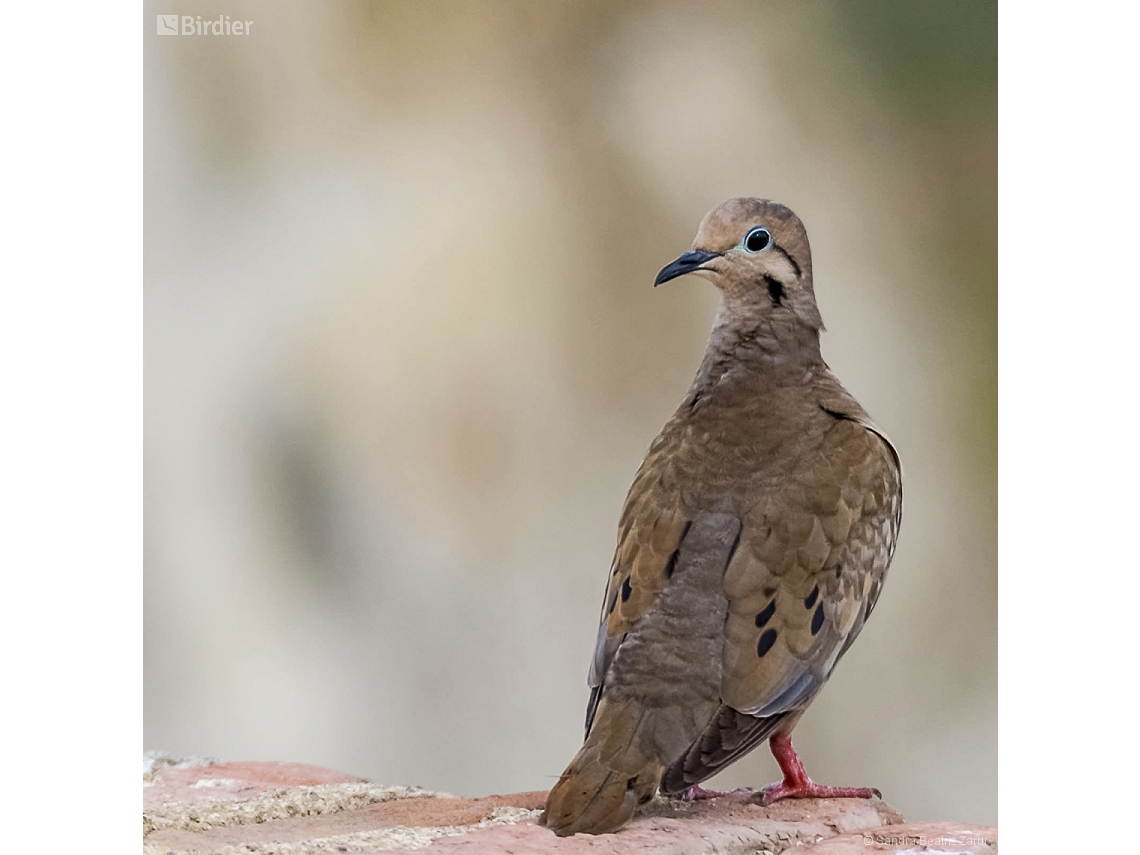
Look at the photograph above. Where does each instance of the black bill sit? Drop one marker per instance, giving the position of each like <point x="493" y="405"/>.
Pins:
<point x="687" y="263"/>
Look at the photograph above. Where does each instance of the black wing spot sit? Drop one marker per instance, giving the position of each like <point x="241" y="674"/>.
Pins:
<point x="671" y="564"/>
<point x="769" y="591"/>
<point x="766" y="615"/>
<point x="767" y="639"/>
<point x="838" y="571"/>
<point x="810" y="599"/>
<point x="817" y="619"/>
<point x="626" y="589"/>
<point x="735" y="544"/>
<point x="613" y="603"/>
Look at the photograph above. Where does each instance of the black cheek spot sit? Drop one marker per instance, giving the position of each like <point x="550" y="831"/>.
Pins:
<point x="767" y="639"/>
<point x="817" y="619"/>
<point x="626" y="589"/>
<point x="766" y="615"/>
<point x="775" y="290"/>
<point x="809" y="600"/>
<point x="631" y="783"/>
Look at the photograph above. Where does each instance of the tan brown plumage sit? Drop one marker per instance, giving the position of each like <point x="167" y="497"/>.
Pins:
<point x="751" y="549"/>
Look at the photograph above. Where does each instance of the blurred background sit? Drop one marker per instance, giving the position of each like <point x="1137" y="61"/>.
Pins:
<point x="404" y="356"/>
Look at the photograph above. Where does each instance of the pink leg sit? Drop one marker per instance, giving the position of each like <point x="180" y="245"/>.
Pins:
<point x="697" y="793"/>
<point x="797" y="784"/>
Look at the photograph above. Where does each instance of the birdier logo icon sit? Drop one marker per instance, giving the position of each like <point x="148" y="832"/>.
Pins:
<point x="193" y="25"/>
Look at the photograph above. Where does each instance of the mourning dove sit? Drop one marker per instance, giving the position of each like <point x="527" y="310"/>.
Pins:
<point x="751" y="548"/>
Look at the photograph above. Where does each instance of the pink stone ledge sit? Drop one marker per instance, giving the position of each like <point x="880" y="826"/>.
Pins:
<point x="210" y="808"/>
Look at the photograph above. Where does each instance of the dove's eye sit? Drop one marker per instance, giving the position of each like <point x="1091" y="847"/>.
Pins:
<point x="757" y="239"/>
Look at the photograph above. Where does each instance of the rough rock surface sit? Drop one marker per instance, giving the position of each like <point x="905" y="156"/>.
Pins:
<point x="200" y="807"/>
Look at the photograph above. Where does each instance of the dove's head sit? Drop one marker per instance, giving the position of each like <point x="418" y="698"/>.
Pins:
<point x="756" y="252"/>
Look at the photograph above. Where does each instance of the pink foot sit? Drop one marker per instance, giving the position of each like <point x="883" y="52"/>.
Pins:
<point x="809" y="789"/>
<point x="796" y="783"/>
<point x="697" y="793"/>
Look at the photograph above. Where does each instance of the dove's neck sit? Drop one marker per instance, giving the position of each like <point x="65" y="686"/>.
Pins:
<point x="770" y="350"/>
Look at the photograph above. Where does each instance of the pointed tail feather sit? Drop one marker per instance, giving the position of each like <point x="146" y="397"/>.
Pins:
<point x="607" y="779"/>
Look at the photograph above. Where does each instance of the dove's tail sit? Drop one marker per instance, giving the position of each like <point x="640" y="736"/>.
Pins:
<point x="608" y="778"/>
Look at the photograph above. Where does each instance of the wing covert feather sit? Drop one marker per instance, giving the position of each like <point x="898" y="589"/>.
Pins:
<point x="808" y="570"/>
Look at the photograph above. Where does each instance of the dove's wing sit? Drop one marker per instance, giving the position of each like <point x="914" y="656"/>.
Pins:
<point x="650" y="532"/>
<point x="806" y="575"/>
